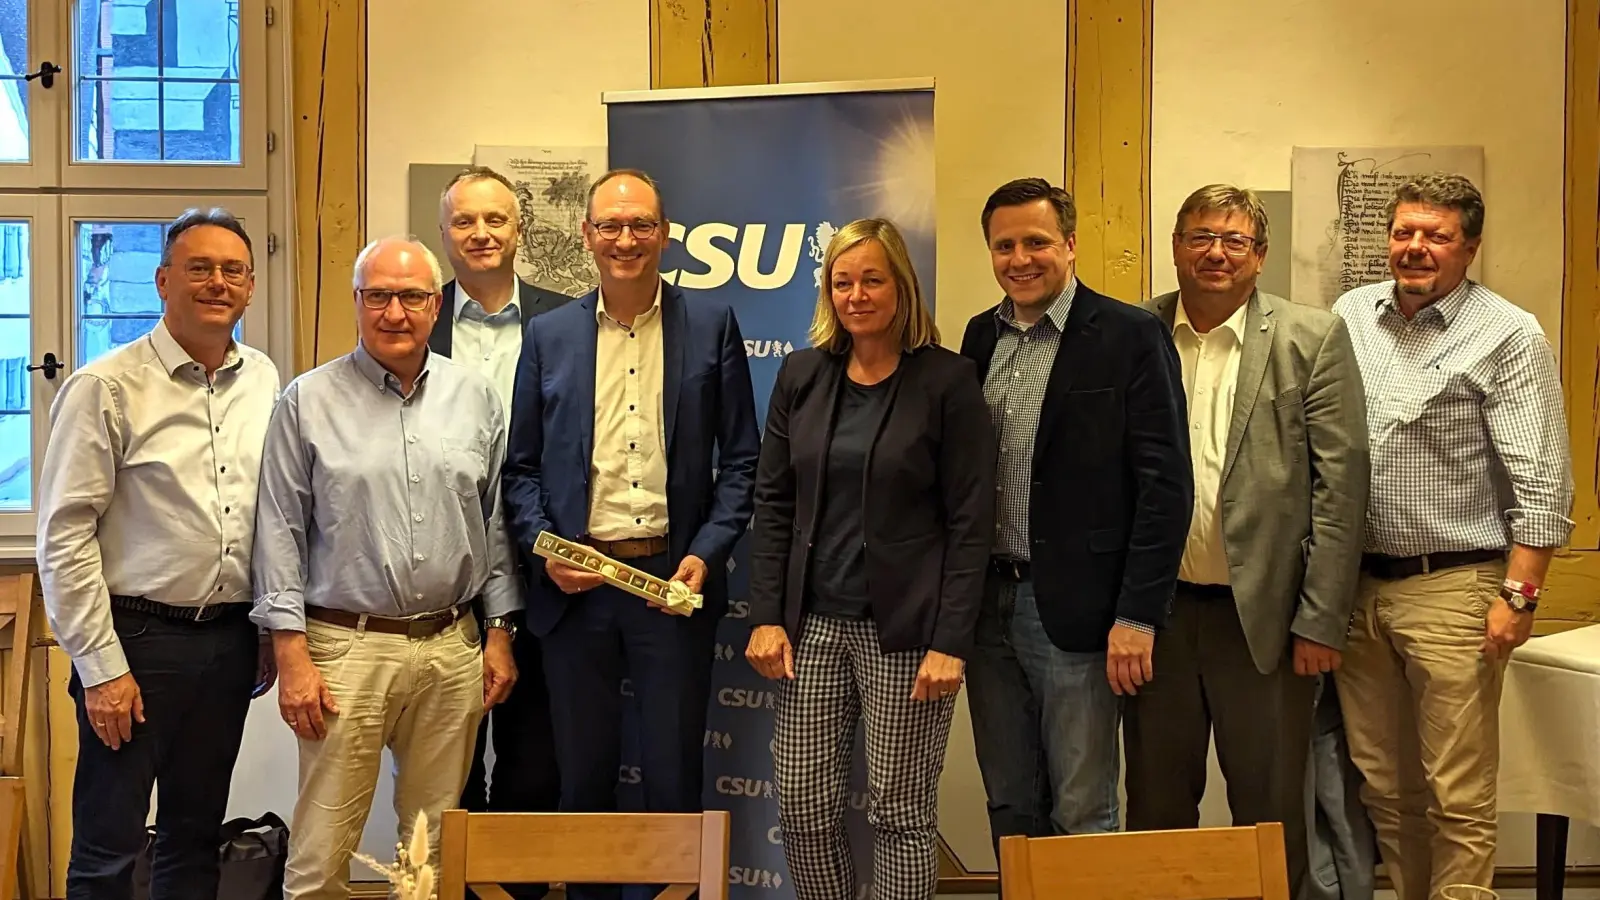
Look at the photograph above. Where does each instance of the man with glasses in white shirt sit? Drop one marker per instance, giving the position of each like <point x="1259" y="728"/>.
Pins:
<point x="147" y="498"/>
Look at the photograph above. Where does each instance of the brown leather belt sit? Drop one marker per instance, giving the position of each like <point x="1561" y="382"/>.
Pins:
<point x="630" y="548"/>
<point x="425" y="625"/>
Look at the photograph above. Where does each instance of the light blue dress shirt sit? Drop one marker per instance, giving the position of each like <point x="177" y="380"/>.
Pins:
<point x="373" y="501"/>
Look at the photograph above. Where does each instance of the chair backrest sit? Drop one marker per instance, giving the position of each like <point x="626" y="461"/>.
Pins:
<point x="686" y="850"/>
<point x="1194" y="864"/>
<point x="19" y="600"/>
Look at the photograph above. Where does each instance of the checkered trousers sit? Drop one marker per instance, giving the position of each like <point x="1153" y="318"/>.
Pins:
<point x="842" y="677"/>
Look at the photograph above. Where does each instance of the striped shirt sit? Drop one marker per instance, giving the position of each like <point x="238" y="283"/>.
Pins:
<point x="1466" y="422"/>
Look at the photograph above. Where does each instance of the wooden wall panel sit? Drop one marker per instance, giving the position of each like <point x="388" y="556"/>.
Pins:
<point x="1108" y="142"/>
<point x="329" y="84"/>
<point x="712" y="43"/>
<point x="1580" y="302"/>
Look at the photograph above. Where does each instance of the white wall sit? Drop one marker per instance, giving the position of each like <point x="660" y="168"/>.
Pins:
<point x="1237" y="85"/>
<point x="443" y="77"/>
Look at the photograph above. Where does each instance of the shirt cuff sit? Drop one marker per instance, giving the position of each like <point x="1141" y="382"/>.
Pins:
<point x="101" y="666"/>
<point x="1539" y="528"/>
<point x="501" y="597"/>
<point x="1136" y="626"/>
<point x="280" y="611"/>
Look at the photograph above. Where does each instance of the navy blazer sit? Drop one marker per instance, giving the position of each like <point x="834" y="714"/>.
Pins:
<point x="712" y="441"/>
<point x="1112" y="487"/>
<point x="531" y="299"/>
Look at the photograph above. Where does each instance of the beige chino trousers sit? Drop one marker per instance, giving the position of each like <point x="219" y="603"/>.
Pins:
<point x="420" y="698"/>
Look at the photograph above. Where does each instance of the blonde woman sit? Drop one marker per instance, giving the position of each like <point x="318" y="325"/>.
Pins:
<point x="874" y="514"/>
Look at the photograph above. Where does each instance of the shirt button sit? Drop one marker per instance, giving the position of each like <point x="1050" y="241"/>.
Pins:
<point x="419" y="596"/>
<point x="1016" y="374"/>
<point x="219" y="429"/>
<point x="631" y="334"/>
<point x="219" y="587"/>
<point x="417" y="517"/>
<point x="227" y="509"/>
<point x="224" y="468"/>
<point x="638" y="521"/>
<point x="630" y="407"/>
<point x="636" y="484"/>
<point x="411" y="439"/>
<point x="419" y="557"/>
<point x="416" y="478"/>
<point x="631" y="445"/>
<point x="630" y="371"/>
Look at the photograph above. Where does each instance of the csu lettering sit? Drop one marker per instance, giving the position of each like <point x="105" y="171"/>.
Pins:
<point x="750" y="877"/>
<point x="747" y="698"/>
<point x="705" y="245"/>
<point x="744" y="787"/>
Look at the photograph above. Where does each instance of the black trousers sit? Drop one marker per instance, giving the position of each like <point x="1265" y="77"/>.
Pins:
<point x="525" y="776"/>
<point x="195" y="680"/>
<point x="605" y="634"/>
<point x="1206" y="683"/>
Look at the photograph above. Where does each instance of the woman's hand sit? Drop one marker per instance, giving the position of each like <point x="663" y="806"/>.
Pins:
<point x="939" y="678"/>
<point x="769" y="652"/>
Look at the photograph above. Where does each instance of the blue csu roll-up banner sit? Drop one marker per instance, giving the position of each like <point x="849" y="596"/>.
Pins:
<point x="754" y="187"/>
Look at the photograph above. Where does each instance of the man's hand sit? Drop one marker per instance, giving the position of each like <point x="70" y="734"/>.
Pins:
<point x="303" y="696"/>
<point x="1506" y="629"/>
<point x="499" y="667"/>
<point x="1128" y="659"/>
<point x="266" y="666"/>
<point x="1312" y="658"/>
<point x="770" y="653"/>
<point x="692" y="572"/>
<point x="939" y="676"/>
<point x="570" y="578"/>
<point x="113" y="708"/>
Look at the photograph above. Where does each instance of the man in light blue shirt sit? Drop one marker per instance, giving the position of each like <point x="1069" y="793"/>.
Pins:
<point x="378" y="526"/>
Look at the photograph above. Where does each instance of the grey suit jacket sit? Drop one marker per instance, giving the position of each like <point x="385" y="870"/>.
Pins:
<point x="1294" y="479"/>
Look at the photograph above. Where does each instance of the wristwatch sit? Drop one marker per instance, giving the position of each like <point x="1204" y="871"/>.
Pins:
<point x="504" y="623"/>
<point x="1521" y="596"/>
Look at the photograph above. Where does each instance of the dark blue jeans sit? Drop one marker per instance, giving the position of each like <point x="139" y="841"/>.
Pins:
<point x="195" y="680"/>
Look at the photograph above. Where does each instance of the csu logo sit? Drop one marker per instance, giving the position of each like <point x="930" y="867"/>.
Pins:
<point x="744" y="787"/>
<point x="739" y="609"/>
<point x="747" y="698"/>
<point x="775" y="835"/>
<point x="718" y="739"/>
<point x="764" y="349"/>
<point x="714" y="245"/>
<point x="627" y="687"/>
<point x="744" y="875"/>
<point x="629" y="775"/>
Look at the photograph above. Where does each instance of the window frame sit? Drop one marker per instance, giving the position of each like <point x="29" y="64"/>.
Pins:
<point x="42" y="213"/>
<point x="43" y="127"/>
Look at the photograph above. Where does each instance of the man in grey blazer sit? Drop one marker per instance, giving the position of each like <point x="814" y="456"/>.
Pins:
<point x="1278" y="441"/>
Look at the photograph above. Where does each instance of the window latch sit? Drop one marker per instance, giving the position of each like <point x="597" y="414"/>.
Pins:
<point x="50" y="366"/>
<point x="47" y="74"/>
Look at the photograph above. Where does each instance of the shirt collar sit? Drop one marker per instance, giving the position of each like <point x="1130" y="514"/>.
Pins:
<point x="1006" y="315"/>
<point x="1233" y="324"/>
<point x="471" y="310"/>
<point x="1447" y="307"/>
<point x="173" y="357"/>
<point x="383" y="378"/>
<point x="600" y="314"/>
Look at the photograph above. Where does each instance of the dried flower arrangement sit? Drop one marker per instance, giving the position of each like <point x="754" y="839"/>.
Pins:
<point x="411" y="875"/>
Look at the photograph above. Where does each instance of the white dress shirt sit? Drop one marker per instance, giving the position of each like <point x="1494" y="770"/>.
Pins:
<point x="489" y="342"/>
<point x="1210" y="374"/>
<point x="148" y="489"/>
<point x="628" y="471"/>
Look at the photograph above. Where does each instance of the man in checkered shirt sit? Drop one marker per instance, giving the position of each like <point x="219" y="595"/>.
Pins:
<point x="1471" y="492"/>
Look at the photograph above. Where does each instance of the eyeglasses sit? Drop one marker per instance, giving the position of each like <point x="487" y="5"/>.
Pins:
<point x="1233" y="243"/>
<point x="199" y="271"/>
<point x="379" y="298"/>
<point x="641" y="230"/>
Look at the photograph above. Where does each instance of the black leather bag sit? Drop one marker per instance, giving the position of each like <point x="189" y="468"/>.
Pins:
<point x="251" y="853"/>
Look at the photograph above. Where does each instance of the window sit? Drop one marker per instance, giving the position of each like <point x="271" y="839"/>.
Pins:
<point x="115" y="116"/>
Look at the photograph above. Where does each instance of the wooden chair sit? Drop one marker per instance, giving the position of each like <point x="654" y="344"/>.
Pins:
<point x="687" y="851"/>
<point x="1196" y="864"/>
<point x="21" y="627"/>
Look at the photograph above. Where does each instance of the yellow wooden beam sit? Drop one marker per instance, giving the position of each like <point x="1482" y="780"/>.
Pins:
<point x="1580" y="301"/>
<point x="329" y="89"/>
<point x="1108" y="142"/>
<point x="709" y="43"/>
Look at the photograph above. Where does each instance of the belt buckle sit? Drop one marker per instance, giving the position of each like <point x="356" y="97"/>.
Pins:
<point x="207" y="613"/>
<point x="1426" y="568"/>
<point x="417" y="629"/>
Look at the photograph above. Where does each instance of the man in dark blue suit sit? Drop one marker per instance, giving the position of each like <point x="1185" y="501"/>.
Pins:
<point x="633" y="430"/>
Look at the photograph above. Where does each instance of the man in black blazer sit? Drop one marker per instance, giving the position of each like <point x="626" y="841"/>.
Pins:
<point x="1093" y="496"/>
<point x="480" y="325"/>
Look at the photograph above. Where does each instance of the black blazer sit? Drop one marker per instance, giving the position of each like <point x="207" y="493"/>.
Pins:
<point x="928" y="507"/>
<point x="533" y="299"/>
<point x="1108" y="514"/>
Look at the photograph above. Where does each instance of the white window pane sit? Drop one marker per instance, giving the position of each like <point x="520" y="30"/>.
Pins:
<point x="16" y="421"/>
<point x="13" y="90"/>
<point x="157" y="81"/>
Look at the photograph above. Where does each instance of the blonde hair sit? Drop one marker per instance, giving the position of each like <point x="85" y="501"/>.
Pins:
<point x="912" y="321"/>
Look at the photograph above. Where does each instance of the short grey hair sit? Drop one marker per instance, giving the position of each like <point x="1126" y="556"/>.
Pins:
<point x="421" y="248"/>
<point x="194" y="218"/>
<point x="1445" y="190"/>
<point x="476" y="173"/>
<point x="1227" y="198"/>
